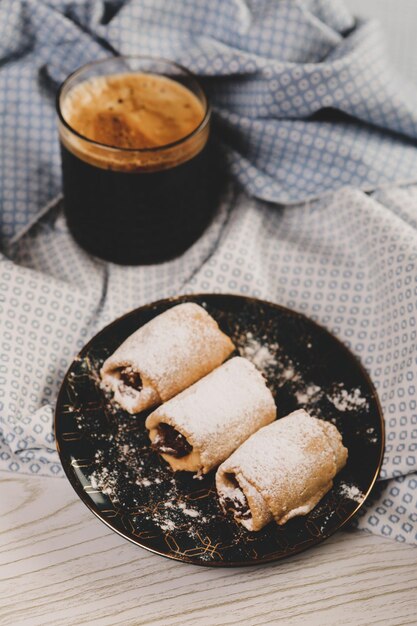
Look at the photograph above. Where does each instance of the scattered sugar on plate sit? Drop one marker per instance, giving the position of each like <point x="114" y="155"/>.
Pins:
<point x="288" y="373"/>
<point x="345" y="400"/>
<point x="270" y="359"/>
<point x="311" y="394"/>
<point x="167" y="525"/>
<point x="372" y="438"/>
<point x="144" y="482"/>
<point x="173" y="514"/>
<point x="352" y="492"/>
<point x="186" y="511"/>
<point x="261" y="355"/>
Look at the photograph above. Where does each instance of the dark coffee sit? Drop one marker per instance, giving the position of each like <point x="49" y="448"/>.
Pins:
<point x="139" y="185"/>
<point x="132" y="218"/>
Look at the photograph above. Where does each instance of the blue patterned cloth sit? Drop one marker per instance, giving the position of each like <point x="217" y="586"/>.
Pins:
<point x="310" y="116"/>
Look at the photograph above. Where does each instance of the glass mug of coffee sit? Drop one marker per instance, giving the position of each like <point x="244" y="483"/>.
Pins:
<point x="139" y="177"/>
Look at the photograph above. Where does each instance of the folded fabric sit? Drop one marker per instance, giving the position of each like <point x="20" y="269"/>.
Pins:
<point x="304" y="99"/>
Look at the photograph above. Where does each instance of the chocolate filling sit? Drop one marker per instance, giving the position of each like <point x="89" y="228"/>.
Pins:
<point x="170" y="441"/>
<point x="130" y="378"/>
<point x="238" y="508"/>
<point x="236" y="503"/>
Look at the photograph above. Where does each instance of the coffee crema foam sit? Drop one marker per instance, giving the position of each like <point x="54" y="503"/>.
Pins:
<point x="135" y="112"/>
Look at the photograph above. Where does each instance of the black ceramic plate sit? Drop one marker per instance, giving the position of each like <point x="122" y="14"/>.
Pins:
<point x="106" y="455"/>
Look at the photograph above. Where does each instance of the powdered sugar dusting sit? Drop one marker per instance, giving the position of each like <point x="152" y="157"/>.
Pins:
<point x="311" y="393"/>
<point x="235" y="389"/>
<point x="273" y="360"/>
<point x="168" y="525"/>
<point x="283" y="460"/>
<point x="172" y="351"/>
<point x="187" y="511"/>
<point x="134" y="470"/>
<point x="263" y="356"/>
<point x="347" y="400"/>
<point x="351" y="491"/>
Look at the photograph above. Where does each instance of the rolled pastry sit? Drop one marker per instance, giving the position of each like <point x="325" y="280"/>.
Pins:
<point x="165" y="356"/>
<point x="199" y="428"/>
<point x="281" y="471"/>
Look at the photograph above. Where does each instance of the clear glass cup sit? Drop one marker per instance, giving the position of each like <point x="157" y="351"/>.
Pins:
<point x="129" y="205"/>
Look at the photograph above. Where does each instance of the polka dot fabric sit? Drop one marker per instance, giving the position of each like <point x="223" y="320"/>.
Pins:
<point x="300" y="91"/>
<point x="39" y="46"/>
<point x="301" y="118"/>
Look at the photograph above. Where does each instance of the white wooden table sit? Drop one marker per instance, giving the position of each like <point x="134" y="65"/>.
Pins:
<point x="60" y="565"/>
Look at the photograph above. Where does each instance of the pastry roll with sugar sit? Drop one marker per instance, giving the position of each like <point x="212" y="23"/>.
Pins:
<point x="165" y="356"/>
<point x="281" y="471"/>
<point x="199" y="428"/>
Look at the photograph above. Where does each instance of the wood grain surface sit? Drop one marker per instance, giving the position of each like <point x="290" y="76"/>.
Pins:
<point x="61" y="565"/>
